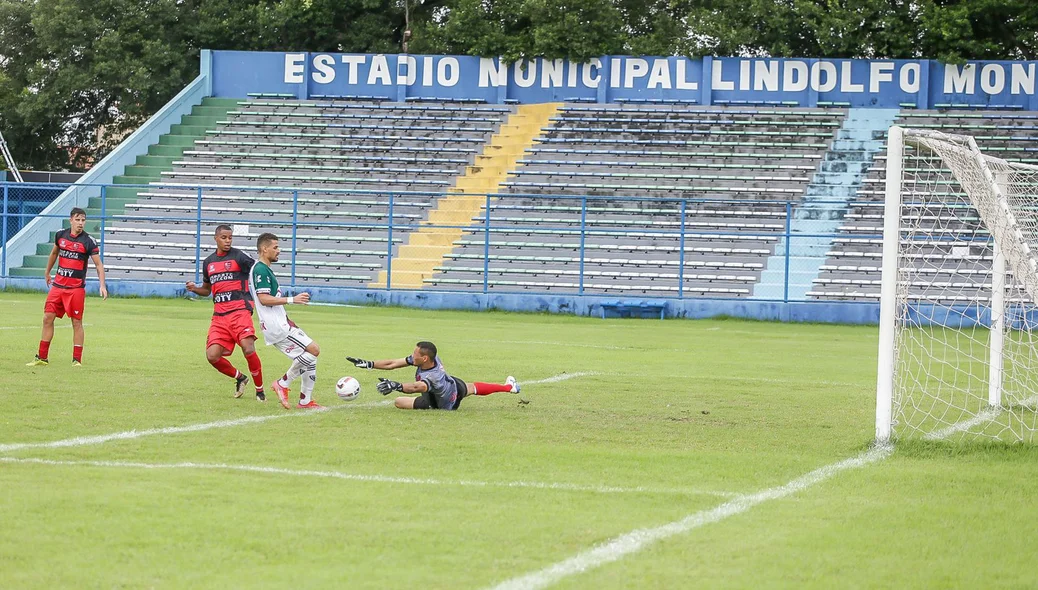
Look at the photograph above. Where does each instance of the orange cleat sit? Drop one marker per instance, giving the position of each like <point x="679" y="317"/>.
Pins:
<point x="311" y="405"/>
<point x="282" y="395"/>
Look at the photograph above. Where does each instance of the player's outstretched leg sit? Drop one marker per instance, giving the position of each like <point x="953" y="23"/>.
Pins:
<point x="248" y="348"/>
<point x="215" y="355"/>
<point x="281" y="386"/>
<point x="509" y="386"/>
<point x="308" y="378"/>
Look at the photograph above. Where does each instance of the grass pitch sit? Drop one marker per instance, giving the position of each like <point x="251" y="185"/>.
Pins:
<point x="669" y="418"/>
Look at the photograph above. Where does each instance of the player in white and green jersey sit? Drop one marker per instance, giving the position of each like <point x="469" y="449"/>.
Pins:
<point x="278" y="330"/>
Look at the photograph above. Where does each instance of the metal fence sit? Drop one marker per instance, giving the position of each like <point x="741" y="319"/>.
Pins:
<point x="502" y="243"/>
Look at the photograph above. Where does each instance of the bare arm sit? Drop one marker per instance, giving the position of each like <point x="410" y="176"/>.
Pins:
<point x="100" y="275"/>
<point x="50" y="263"/>
<point x="390" y="364"/>
<point x="204" y="289"/>
<point x="415" y="387"/>
<point x="271" y="300"/>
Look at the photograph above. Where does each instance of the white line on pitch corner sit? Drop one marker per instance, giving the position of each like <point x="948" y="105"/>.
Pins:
<point x="634" y="541"/>
<point x="80" y="441"/>
<point x="553" y="486"/>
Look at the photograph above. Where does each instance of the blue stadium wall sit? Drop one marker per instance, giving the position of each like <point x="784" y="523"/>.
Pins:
<point x="778" y="311"/>
<point x="919" y="84"/>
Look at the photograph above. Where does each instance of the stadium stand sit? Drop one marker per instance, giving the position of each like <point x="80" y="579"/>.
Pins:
<point x="853" y="267"/>
<point x="735" y="168"/>
<point x="332" y="163"/>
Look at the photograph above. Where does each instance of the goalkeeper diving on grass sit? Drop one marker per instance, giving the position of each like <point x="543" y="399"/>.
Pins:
<point x="438" y="389"/>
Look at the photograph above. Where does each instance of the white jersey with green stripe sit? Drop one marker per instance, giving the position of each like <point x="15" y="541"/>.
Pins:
<point x="273" y="318"/>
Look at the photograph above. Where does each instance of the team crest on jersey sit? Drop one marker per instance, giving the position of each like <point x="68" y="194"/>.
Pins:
<point x="227" y="265"/>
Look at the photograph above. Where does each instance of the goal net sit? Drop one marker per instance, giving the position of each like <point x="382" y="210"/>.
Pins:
<point x="959" y="293"/>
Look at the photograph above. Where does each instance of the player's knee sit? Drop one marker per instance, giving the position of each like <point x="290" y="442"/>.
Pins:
<point x="314" y="349"/>
<point x="48" y="319"/>
<point x="213" y="355"/>
<point x="76" y="323"/>
<point x="404" y="403"/>
<point x="248" y="346"/>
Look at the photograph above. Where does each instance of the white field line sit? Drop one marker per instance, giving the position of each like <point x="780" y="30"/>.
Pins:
<point x="634" y="541"/>
<point x="562" y="377"/>
<point x="637" y="540"/>
<point x="982" y="417"/>
<point x="81" y="441"/>
<point x="554" y="486"/>
<point x="323" y="304"/>
<point x="56" y="325"/>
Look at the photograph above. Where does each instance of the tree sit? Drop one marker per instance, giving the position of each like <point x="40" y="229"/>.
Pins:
<point x="949" y="30"/>
<point x="517" y="29"/>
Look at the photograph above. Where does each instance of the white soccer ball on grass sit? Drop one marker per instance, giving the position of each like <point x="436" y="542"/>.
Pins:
<point x="347" y="388"/>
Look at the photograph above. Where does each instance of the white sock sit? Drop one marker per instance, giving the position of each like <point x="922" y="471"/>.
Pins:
<point x="308" y="377"/>
<point x="290" y="375"/>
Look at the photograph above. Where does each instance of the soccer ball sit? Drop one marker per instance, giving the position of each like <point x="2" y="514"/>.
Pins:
<point x="347" y="388"/>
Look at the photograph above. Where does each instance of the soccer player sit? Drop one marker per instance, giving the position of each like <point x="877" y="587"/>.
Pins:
<point x="72" y="247"/>
<point x="280" y="331"/>
<point x="439" y="390"/>
<point x="225" y="276"/>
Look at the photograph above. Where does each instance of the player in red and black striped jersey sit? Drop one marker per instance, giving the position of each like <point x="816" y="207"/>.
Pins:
<point x="225" y="276"/>
<point x="67" y="296"/>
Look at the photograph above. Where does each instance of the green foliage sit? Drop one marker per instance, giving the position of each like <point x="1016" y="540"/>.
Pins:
<point x="950" y="30"/>
<point x="76" y="75"/>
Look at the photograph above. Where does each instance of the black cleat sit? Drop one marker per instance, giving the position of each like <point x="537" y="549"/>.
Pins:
<point x="260" y="396"/>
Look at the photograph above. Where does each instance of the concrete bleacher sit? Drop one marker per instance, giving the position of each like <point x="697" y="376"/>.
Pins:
<point x="619" y="175"/>
<point x="955" y="252"/>
<point x="734" y="168"/>
<point x="330" y="164"/>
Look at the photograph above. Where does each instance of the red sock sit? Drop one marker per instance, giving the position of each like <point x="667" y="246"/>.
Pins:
<point x="225" y="367"/>
<point x="44" y="349"/>
<point x="256" y="369"/>
<point x="488" y="388"/>
<point x="77" y="352"/>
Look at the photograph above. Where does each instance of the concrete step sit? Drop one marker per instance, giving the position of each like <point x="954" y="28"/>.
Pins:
<point x="178" y="140"/>
<point x="228" y="103"/>
<point x="161" y="162"/>
<point x="172" y="151"/>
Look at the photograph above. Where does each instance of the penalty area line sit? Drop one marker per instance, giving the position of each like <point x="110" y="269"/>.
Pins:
<point x="550" y="486"/>
<point x="81" y="441"/>
<point x="636" y="540"/>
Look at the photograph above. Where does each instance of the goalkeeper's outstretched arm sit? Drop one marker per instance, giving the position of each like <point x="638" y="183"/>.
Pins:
<point x="385" y="364"/>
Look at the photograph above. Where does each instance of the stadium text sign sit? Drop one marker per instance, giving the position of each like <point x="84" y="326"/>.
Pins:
<point x="804" y="82"/>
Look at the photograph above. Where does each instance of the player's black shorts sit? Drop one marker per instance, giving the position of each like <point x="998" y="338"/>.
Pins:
<point x="428" y="401"/>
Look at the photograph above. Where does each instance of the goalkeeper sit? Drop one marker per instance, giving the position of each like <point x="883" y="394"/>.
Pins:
<point x="439" y="390"/>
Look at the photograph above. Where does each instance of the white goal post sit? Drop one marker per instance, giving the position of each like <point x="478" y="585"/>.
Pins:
<point x="958" y="338"/>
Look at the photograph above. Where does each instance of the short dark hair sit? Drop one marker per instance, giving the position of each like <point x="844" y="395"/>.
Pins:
<point x="427" y="348"/>
<point x="264" y="239"/>
<point x="76" y="211"/>
<point x="223" y="227"/>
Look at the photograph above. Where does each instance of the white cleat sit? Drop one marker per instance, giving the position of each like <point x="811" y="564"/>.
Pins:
<point x="515" y="384"/>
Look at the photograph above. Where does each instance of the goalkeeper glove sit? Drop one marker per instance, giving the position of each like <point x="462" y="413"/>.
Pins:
<point x="385" y="386"/>
<point x="361" y="363"/>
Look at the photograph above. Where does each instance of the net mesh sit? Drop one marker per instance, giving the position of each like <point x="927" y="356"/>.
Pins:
<point x="956" y="204"/>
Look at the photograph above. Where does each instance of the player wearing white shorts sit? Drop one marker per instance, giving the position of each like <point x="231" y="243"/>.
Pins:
<point x="278" y="330"/>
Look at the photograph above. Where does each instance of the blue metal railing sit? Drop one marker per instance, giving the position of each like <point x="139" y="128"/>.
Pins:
<point x="570" y="226"/>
